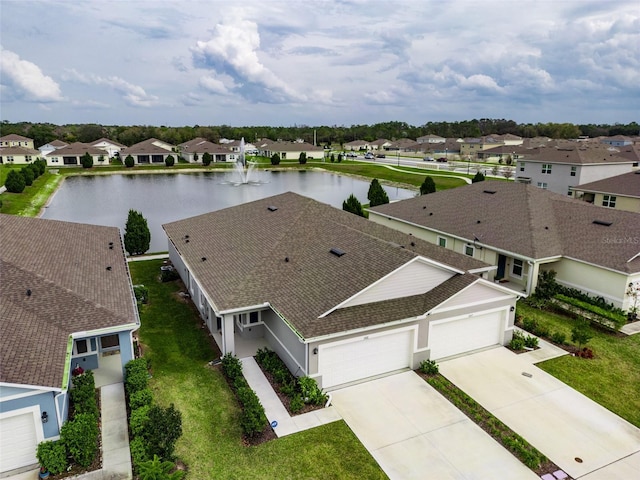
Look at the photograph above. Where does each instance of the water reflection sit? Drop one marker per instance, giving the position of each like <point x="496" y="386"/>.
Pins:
<point x="162" y="198"/>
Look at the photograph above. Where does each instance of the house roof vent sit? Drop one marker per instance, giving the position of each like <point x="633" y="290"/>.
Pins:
<point x="337" y="252"/>
<point x="604" y="223"/>
<point x="490" y="192"/>
<point x="271" y="208"/>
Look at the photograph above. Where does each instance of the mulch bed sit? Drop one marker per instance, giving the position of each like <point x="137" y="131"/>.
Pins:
<point x="286" y="401"/>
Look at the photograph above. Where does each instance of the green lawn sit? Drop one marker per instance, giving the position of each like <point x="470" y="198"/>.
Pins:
<point x="612" y="378"/>
<point x="211" y="444"/>
<point x="33" y="198"/>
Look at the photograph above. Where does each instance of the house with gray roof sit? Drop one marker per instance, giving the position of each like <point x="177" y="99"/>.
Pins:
<point x="193" y="150"/>
<point x="111" y="147"/>
<point x="15" y="140"/>
<point x="621" y="192"/>
<point x="290" y="150"/>
<point x="51" y="146"/>
<point x="523" y="230"/>
<point x="66" y="300"/>
<point x="149" y="151"/>
<point x="18" y="155"/>
<point x="71" y="155"/>
<point x="338" y="297"/>
<point x="568" y="164"/>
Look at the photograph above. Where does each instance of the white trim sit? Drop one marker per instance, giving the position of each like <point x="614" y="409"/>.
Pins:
<point x="23" y="395"/>
<point x="355" y="331"/>
<point x="439" y="237"/>
<point x="34" y="387"/>
<point x="513" y="264"/>
<point x="634" y="257"/>
<point x="509" y="296"/>
<point x="101" y="331"/>
<point x="323" y="346"/>
<point x="473" y="250"/>
<point x="469" y="315"/>
<point x="245" y="309"/>
<point x="419" y="259"/>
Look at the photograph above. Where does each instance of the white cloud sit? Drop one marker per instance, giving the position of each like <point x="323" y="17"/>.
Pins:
<point x="132" y="94"/>
<point x="233" y="50"/>
<point x="213" y="85"/>
<point x="25" y="79"/>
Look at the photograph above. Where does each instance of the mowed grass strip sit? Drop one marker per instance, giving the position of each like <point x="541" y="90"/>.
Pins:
<point x="211" y="445"/>
<point x="612" y="378"/>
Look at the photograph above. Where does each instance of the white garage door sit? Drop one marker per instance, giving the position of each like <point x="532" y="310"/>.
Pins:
<point x="363" y="357"/>
<point x="452" y="337"/>
<point x="18" y="441"/>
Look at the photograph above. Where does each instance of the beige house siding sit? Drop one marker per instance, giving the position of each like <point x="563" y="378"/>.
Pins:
<point x="629" y="204"/>
<point x="593" y="280"/>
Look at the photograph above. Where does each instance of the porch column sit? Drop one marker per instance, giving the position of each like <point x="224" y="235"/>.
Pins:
<point x="228" y="343"/>
<point x="532" y="281"/>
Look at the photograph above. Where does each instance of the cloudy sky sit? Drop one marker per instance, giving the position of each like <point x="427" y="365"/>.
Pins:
<point x="319" y="62"/>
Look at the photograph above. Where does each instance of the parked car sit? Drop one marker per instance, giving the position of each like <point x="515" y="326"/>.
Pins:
<point x="380" y="155"/>
<point x="352" y="155"/>
<point x="369" y="156"/>
<point x="428" y="159"/>
<point x="442" y="159"/>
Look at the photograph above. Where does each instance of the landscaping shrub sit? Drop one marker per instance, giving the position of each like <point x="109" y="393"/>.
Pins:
<point x="529" y="324"/>
<point x="163" y="430"/>
<point x="86" y="160"/>
<point x="547" y="286"/>
<point x="253" y="419"/>
<point x="34" y="168"/>
<point x="586" y="352"/>
<point x="429" y="367"/>
<point x="83" y="394"/>
<point x="140" y="398"/>
<point x="581" y="333"/>
<point x="310" y="391"/>
<point x="139" y="454"/>
<point x="517" y="341"/>
<point x="138" y="420"/>
<point x="52" y="456"/>
<point x="27" y="174"/>
<point x="80" y="437"/>
<point x="169" y="161"/>
<point x="541" y="331"/>
<point x="231" y="367"/>
<point x="142" y="293"/>
<point x="136" y="376"/>
<point x="618" y="319"/>
<point x="530" y="341"/>
<point x="288" y="388"/>
<point x="157" y="469"/>
<point x="559" y="338"/>
<point x="296" y="404"/>
<point x="129" y="161"/>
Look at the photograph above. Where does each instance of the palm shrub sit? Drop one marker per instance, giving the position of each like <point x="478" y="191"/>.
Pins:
<point x="156" y="469"/>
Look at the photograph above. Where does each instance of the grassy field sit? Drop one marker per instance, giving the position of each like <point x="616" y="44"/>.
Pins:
<point x="33" y="198"/>
<point x="612" y="378"/>
<point x="211" y="445"/>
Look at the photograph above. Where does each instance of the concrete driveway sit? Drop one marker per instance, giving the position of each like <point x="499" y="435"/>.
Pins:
<point x="574" y="432"/>
<point x="415" y="433"/>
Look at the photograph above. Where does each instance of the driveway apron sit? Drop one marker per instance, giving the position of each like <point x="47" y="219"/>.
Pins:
<point x="415" y="433"/>
<point x="573" y="431"/>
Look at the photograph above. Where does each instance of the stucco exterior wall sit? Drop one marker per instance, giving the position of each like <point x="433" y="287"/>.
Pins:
<point x="285" y="343"/>
<point x="45" y="401"/>
<point x="628" y="204"/>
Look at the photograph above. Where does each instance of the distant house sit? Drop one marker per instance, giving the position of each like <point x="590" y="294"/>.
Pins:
<point x="149" y="151"/>
<point x="505" y="153"/>
<point x="112" y="147"/>
<point x="234" y="146"/>
<point x="18" y="155"/>
<point x="621" y="192"/>
<point x="523" y="230"/>
<point x="339" y="298"/>
<point x="65" y="300"/>
<point x="470" y="147"/>
<point x="570" y="164"/>
<point x="431" y="139"/>
<point x="71" y="155"/>
<point x="290" y="150"/>
<point x="14" y="140"/>
<point x="193" y="150"/>
<point x="49" y="147"/>
<point x="357" y="145"/>
<point x="403" y="145"/>
<point x="379" y="144"/>
<point x="617" y="141"/>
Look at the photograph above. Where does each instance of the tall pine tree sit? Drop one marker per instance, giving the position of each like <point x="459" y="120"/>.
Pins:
<point x="137" y="236"/>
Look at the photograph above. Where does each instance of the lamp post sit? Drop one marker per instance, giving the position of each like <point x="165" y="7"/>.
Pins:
<point x="468" y="163"/>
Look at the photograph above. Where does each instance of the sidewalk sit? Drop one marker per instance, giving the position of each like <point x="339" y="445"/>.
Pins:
<point x="274" y="409"/>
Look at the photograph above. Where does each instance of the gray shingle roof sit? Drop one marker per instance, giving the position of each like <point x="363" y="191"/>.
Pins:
<point x="579" y="154"/>
<point x="254" y="255"/>
<point x="146" y="147"/>
<point x="76" y="148"/>
<point x="65" y="266"/>
<point x="527" y="221"/>
<point x="627" y="184"/>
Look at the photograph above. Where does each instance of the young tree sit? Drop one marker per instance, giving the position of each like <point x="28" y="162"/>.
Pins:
<point x="15" y="182"/>
<point x="353" y="205"/>
<point x="27" y="174"/>
<point x="581" y="333"/>
<point x="207" y="158"/>
<point x="169" y="161"/>
<point x="428" y="186"/>
<point x="303" y="158"/>
<point x="86" y="160"/>
<point x="339" y="157"/>
<point x="195" y="157"/>
<point x="376" y="194"/>
<point x="333" y="158"/>
<point x="162" y="431"/>
<point x="507" y="173"/>
<point x="137" y="236"/>
<point x="129" y="162"/>
<point x="275" y="159"/>
<point x="479" y="177"/>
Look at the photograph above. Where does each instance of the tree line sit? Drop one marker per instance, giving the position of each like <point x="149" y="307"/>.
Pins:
<point x="43" y="133"/>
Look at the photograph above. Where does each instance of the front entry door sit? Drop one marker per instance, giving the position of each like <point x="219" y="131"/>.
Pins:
<point x="502" y="262"/>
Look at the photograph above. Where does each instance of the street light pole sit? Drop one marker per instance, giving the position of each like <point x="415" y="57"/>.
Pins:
<point x="468" y="163"/>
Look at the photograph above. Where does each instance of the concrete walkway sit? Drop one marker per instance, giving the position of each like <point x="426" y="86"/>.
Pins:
<point x="275" y="411"/>
<point x="142" y="258"/>
<point x="631" y="328"/>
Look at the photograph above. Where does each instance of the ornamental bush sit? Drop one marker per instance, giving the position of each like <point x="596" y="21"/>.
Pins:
<point x="27" y="174"/>
<point x="83" y="394"/>
<point x="253" y="419"/>
<point x="129" y="161"/>
<point x="139" y="454"/>
<point x="86" y="160"/>
<point x="207" y="158"/>
<point x="15" y="182"/>
<point x="52" y="456"/>
<point x="429" y="367"/>
<point x="80" y="437"/>
<point x="138" y="420"/>
<point x="310" y="391"/>
<point x="136" y="376"/>
<point x="163" y="430"/>
<point x="231" y="367"/>
<point x="169" y="161"/>
<point x="140" y="398"/>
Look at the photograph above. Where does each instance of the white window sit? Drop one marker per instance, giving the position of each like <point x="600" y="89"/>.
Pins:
<point x="609" y="201"/>
<point x="469" y="250"/>
<point x="9" y="158"/>
<point x="546" y="168"/>
<point x="542" y="185"/>
<point x="569" y="192"/>
<point x="517" y="267"/>
<point x="522" y="166"/>
<point x="83" y="346"/>
<point x="27" y="158"/>
<point x="442" y="242"/>
<point x="573" y="171"/>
